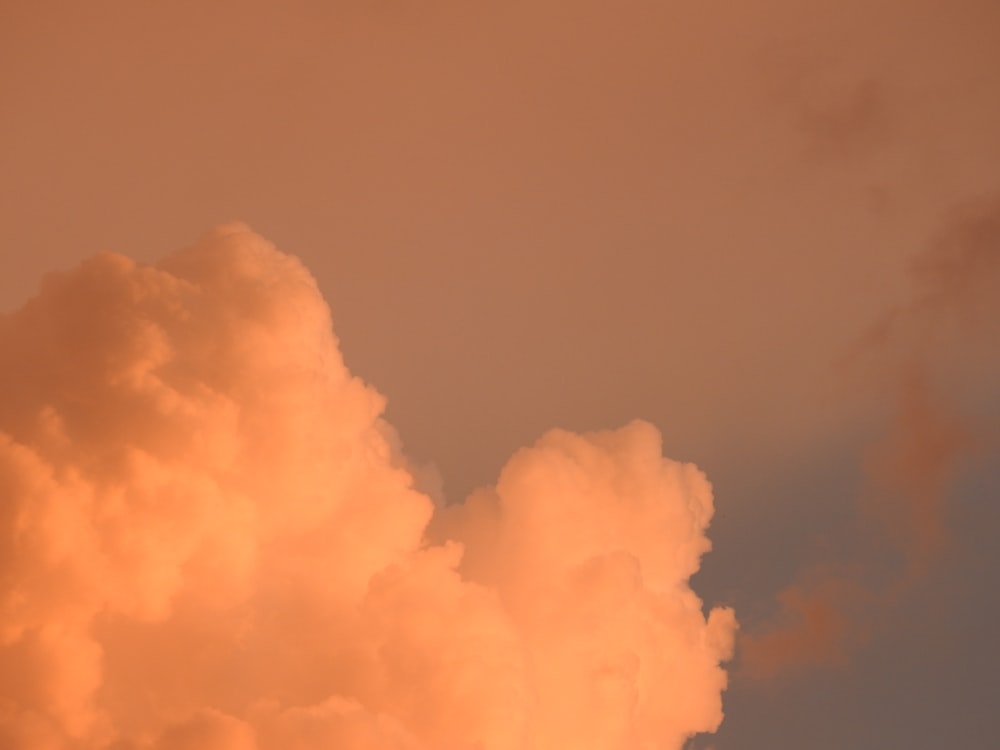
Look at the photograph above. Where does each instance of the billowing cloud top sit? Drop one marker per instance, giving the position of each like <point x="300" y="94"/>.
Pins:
<point x="209" y="540"/>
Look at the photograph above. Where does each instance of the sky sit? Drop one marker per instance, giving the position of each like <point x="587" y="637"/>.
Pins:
<point x="769" y="233"/>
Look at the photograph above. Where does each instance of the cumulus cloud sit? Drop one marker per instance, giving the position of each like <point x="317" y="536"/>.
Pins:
<point x="209" y="538"/>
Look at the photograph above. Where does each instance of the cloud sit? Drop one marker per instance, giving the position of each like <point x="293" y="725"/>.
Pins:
<point x="592" y="567"/>
<point x="211" y="539"/>
<point x="919" y="354"/>
<point x="837" y="110"/>
<point x="823" y="619"/>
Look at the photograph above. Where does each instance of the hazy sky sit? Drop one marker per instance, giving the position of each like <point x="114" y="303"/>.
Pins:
<point x="770" y="230"/>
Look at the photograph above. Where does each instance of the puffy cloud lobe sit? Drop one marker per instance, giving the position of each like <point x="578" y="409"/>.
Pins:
<point x="209" y="538"/>
<point x="592" y="565"/>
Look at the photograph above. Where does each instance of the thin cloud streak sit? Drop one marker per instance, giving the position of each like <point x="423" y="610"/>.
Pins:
<point x="831" y="612"/>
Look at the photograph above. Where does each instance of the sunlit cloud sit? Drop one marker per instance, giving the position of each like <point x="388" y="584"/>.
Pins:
<point x="210" y="539"/>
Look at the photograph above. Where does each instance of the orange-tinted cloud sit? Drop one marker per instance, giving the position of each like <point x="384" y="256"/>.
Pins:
<point x="830" y="612"/>
<point x="592" y="567"/>
<point x="823" y="618"/>
<point x="911" y="470"/>
<point x="210" y="539"/>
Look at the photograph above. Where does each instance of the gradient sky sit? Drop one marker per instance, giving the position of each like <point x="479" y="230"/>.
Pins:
<point x="528" y="215"/>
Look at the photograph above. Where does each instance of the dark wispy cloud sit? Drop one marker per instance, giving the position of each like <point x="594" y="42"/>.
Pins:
<point x="832" y="610"/>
